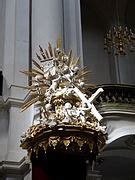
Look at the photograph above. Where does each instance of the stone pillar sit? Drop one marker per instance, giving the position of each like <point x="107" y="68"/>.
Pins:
<point x="47" y="26"/>
<point x="15" y="59"/>
<point x="47" y="23"/>
<point x="73" y="27"/>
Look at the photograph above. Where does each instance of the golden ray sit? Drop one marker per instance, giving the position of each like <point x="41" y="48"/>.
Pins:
<point x="38" y="56"/>
<point x="24" y="108"/>
<point x="41" y="49"/>
<point x="31" y="96"/>
<point x="28" y="73"/>
<point x="55" y="53"/>
<point x="50" y="49"/>
<point x="72" y="62"/>
<point x="42" y="52"/>
<point x="90" y="85"/>
<point x="29" y="99"/>
<point x="46" y="52"/>
<point x="29" y="103"/>
<point x="77" y="61"/>
<point x="49" y="59"/>
<point x="83" y="69"/>
<point x="38" y="72"/>
<point x="36" y="64"/>
<point x="82" y="74"/>
<point x="59" y="43"/>
<point x="69" y="56"/>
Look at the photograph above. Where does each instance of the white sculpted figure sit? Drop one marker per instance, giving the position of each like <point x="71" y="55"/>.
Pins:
<point x="59" y="87"/>
<point x="87" y="103"/>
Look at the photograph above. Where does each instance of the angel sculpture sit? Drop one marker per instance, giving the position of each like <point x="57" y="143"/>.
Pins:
<point x="60" y="91"/>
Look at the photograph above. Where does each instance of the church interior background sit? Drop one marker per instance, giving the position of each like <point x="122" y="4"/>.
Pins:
<point x="82" y="25"/>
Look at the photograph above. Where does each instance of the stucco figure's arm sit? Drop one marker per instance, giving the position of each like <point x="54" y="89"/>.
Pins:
<point x="95" y="95"/>
<point x="82" y="97"/>
<point x="92" y="108"/>
<point x="89" y="101"/>
<point x="96" y="113"/>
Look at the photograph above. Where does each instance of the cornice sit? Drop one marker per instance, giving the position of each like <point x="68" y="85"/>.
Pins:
<point x="15" y="168"/>
<point x="6" y="102"/>
<point x="116" y="108"/>
<point x="117" y="99"/>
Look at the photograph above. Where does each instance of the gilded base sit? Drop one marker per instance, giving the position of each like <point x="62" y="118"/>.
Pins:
<point x="64" y="138"/>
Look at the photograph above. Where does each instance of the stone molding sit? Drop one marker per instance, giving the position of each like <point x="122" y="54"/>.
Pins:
<point x="117" y="99"/>
<point x="117" y="94"/>
<point x="10" y="168"/>
<point x="13" y="100"/>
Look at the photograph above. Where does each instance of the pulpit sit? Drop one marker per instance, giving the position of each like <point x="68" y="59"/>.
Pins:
<point x="58" y="166"/>
<point x="67" y="131"/>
